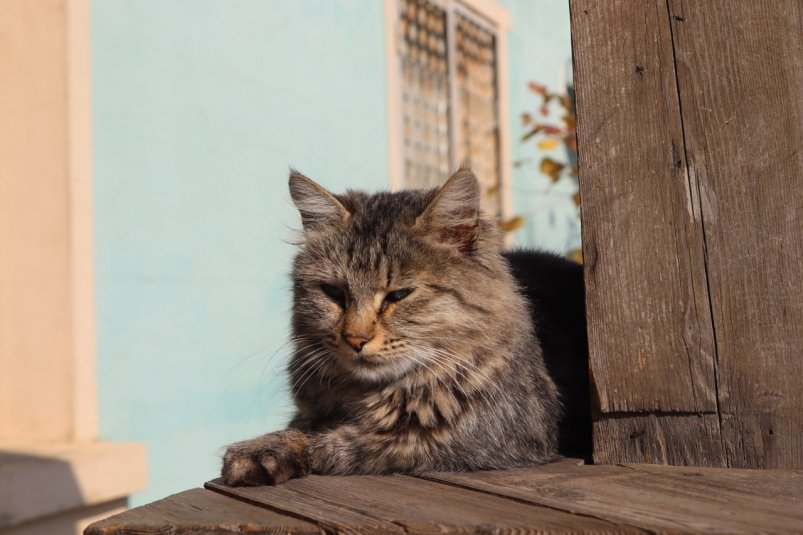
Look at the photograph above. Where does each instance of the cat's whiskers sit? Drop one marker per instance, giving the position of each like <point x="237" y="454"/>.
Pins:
<point x="306" y="367"/>
<point x="301" y="353"/>
<point x="423" y="363"/>
<point x="319" y="362"/>
<point x="299" y="370"/>
<point x="269" y="360"/>
<point x="229" y="376"/>
<point x="430" y="357"/>
<point x="469" y="374"/>
<point x="478" y="388"/>
<point x="474" y="376"/>
<point x="481" y="333"/>
<point x="238" y="369"/>
<point x="472" y="368"/>
<point x="325" y="370"/>
<point x="451" y="353"/>
<point x="407" y="350"/>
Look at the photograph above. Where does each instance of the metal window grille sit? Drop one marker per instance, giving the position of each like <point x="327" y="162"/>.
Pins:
<point x="449" y="92"/>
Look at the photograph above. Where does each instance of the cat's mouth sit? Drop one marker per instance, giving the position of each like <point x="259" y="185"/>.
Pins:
<point x="361" y="358"/>
<point x="375" y="367"/>
<point x="366" y="360"/>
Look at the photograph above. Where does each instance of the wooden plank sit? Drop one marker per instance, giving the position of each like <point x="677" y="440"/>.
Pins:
<point x="678" y="439"/>
<point x="645" y="280"/>
<point x="399" y="504"/>
<point x="691" y="140"/>
<point x="741" y="91"/>
<point x="200" y="511"/>
<point x="762" y="486"/>
<point x="650" y="332"/>
<point x="655" y="498"/>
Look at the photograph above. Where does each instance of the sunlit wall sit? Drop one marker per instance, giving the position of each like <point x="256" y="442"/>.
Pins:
<point x="199" y="107"/>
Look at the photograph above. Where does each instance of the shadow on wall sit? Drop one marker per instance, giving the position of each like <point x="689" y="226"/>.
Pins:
<point x="42" y="495"/>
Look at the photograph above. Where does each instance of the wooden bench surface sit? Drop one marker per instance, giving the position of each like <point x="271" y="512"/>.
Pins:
<point x="565" y="496"/>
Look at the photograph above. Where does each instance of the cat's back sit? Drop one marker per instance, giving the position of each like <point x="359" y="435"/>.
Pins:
<point x="554" y="288"/>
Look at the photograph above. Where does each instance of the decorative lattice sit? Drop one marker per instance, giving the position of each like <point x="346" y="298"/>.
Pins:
<point x="476" y="107"/>
<point x="449" y="106"/>
<point x="425" y="93"/>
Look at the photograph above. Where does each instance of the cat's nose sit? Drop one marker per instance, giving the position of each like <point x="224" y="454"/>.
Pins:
<point x="357" y="341"/>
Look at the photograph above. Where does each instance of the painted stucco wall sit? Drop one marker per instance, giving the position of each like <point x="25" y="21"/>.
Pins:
<point x="199" y="107"/>
<point x="540" y="51"/>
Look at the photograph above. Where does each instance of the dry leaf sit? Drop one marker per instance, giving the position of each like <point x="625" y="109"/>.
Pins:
<point x="576" y="255"/>
<point x="551" y="168"/>
<point x="532" y="132"/>
<point x="547" y="144"/>
<point x="514" y="223"/>
<point x="551" y="130"/>
<point x="537" y="88"/>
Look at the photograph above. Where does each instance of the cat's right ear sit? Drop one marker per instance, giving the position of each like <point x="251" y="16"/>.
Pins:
<point x="319" y="209"/>
<point x="453" y="215"/>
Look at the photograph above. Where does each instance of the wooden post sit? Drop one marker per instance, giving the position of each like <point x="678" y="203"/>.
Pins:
<point x="690" y="137"/>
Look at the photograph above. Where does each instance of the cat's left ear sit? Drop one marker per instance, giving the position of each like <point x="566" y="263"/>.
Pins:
<point x="453" y="215"/>
<point x="319" y="209"/>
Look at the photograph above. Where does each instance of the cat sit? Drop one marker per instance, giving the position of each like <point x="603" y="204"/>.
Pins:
<point x="419" y="345"/>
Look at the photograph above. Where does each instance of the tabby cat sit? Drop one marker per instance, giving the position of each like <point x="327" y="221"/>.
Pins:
<point x="419" y="345"/>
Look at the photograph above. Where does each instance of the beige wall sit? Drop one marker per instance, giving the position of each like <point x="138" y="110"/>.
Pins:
<point x="54" y="476"/>
<point x="47" y="390"/>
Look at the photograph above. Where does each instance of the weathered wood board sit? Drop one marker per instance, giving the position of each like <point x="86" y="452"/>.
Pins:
<point x="561" y="497"/>
<point x="690" y="137"/>
<point x="200" y="511"/>
<point x="403" y="504"/>
<point x="655" y="498"/>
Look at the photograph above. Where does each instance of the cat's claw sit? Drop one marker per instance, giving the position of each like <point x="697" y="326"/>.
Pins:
<point x="271" y="459"/>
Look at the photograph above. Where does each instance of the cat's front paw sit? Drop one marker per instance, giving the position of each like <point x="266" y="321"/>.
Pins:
<point x="268" y="460"/>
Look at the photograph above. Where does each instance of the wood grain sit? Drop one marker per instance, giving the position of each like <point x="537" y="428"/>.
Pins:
<point x="199" y="511"/>
<point x="561" y="497"/>
<point x="400" y="504"/>
<point x="741" y="89"/>
<point x="690" y="133"/>
<point x="677" y="439"/>
<point x="655" y="498"/>
<point x="646" y="298"/>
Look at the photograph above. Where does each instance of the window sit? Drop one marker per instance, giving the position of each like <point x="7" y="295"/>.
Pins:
<point x="447" y="103"/>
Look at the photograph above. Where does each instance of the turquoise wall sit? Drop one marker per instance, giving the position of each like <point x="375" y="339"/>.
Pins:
<point x="540" y="51"/>
<point x="199" y="108"/>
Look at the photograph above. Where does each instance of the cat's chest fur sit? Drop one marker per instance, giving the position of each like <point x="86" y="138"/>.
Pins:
<point x="430" y="401"/>
<point x="412" y="408"/>
<point x="421" y="404"/>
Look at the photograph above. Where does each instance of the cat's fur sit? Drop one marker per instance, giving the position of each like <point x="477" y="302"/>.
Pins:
<point x="416" y="349"/>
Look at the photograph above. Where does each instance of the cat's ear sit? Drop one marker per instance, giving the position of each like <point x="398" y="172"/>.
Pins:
<point x="319" y="209"/>
<point x="453" y="216"/>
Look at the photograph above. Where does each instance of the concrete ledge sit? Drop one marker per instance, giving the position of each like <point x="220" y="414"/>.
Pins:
<point x="43" y="479"/>
<point x="72" y="522"/>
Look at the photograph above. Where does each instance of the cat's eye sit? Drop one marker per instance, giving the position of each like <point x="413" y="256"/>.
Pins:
<point x="338" y="295"/>
<point x="396" y="296"/>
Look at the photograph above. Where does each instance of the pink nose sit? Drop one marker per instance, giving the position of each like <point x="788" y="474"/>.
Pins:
<point x="357" y="341"/>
